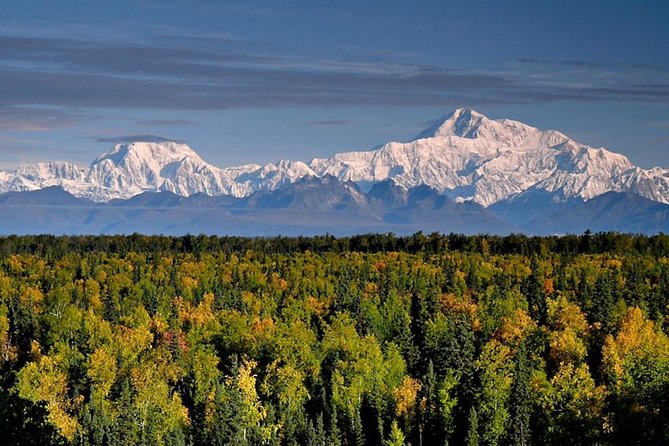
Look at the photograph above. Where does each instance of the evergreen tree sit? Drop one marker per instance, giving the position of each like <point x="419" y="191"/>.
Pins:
<point x="226" y="341"/>
<point x="473" y="431"/>
<point x="533" y="288"/>
<point x="316" y="435"/>
<point x="521" y="399"/>
<point x="433" y="428"/>
<point x="396" y="437"/>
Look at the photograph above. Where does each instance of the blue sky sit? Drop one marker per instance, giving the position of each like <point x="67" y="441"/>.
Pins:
<point x="257" y="81"/>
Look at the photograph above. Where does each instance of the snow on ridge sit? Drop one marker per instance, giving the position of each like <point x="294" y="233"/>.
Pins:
<point x="466" y="156"/>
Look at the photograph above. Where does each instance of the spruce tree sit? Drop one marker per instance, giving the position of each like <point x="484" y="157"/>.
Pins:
<point x="473" y="433"/>
<point x="520" y="399"/>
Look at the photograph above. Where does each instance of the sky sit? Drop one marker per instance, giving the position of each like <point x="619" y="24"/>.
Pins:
<point x="259" y="81"/>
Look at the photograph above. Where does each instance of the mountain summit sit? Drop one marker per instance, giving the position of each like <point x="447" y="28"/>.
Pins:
<point x="466" y="156"/>
<point x="463" y="122"/>
<point x="470" y="124"/>
<point x="471" y="157"/>
<point x="148" y="166"/>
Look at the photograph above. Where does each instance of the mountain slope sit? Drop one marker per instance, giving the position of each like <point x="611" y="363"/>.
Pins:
<point x="612" y="211"/>
<point x="466" y="156"/>
<point x="471" y="157"/>
<point x="49" y="196"/>
<point x="311" y="205"/>
<point x="318" y="205"/>
<point x="312" y="194"/>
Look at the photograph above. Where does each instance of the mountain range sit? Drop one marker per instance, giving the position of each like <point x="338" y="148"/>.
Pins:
<point x="467" y="173"/>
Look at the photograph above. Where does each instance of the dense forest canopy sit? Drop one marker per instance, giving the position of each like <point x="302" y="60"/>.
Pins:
<point x="366" y="340"/>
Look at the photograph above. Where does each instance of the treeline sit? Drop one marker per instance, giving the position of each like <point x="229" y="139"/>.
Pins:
<point x="368" y="340"/>
<point x="586" y="243"/>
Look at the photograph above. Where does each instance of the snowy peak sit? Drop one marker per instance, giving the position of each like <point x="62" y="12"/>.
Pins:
<point x="470" y="124"/>
<point x="152" y="153"/>
<point x="465" y="123"/>
<point x="466" y="156"/>
<point x="470" y="157"/>
<point x="51" y="171"/>
<point x="133" y="168"/>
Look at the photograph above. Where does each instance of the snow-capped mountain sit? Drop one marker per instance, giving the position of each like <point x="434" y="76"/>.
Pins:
<point x="467" y="156"/>
<point x="57" y="170"/>
<point x="131" y="169"/>
<point x="471" y="157"/>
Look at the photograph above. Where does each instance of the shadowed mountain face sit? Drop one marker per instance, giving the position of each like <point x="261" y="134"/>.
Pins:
<point x="388" y="195"/>
<point x="311" y="194"/>
<point x="613" y="211"/>
<point x="540" y="213"/>
<point x="309" y="206"/>
<point x="314" y="205"/>
<point x="49" y="196"/>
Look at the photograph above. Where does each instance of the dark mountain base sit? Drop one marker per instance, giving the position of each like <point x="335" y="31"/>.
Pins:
<point x="313" y="206"/>
<point x="308" y="207"/>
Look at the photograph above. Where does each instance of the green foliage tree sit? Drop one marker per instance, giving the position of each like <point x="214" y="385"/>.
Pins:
<point x="371" y="339"/>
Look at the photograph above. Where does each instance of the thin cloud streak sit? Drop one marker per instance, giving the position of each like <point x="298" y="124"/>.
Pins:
<point x="134" y="138"/>
<point x="30" y="119"/>
<point x="330" y="123"/>
<point x="586" y="64"/>
<point x="163" y="122"/>
<point x="659" y="124"/>
<point x="57" y="73"/>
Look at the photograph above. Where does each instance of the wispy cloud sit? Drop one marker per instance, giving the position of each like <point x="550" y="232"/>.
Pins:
<point x="586" y="64"/>
<point x="330" y="123"/>
<point x="56" y="74"/>
<point x="163" y="122"/>
<point x="133" y="138"/>
<point x="659" y="124"/>
<point x="15" y="151"/>
<point x="554" y="63"/>
<point x="31" y="119"/>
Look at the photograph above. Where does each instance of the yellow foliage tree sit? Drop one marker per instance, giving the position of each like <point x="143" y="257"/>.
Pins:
<point x="568" y="331"/>
<point x="45" y="381"/>
<point x="636" y="359"/>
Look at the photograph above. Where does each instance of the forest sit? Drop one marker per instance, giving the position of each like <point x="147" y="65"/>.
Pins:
<point x="375" y="339"/>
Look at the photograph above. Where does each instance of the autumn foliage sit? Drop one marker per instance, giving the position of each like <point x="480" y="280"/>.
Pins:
<point x="368" y="340"/>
